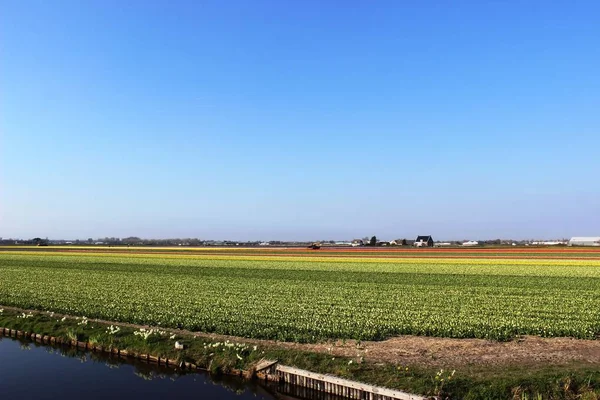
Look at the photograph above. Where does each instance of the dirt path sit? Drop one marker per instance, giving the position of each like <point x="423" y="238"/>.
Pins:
<point x="428" y="351"/>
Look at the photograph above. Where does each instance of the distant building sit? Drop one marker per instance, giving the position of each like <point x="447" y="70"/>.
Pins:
<point x="585" y="241"/>
<point x="442" y="244"/>
<point x="423" y="241"/>
<point x="547" y="243"/>
<point x="471" y="243"/>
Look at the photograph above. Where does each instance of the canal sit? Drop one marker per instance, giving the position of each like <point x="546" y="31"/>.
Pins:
<point x="33" y="371"/>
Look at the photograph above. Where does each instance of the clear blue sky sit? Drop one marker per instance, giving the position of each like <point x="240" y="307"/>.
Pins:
<point x="299" y="119"/>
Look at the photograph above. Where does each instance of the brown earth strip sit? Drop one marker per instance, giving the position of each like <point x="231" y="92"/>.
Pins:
<point x="360" y="250"/>
<point x="312" y="254"/>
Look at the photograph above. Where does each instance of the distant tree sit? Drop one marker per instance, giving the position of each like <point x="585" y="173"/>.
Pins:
<point x="195" y="242"/>
<point x="90" y="240"/>
<point x="39" y="241"/>
<point x="404" y="242"/>
<point x="132" y="240"/>
<point x="373" y="241"/>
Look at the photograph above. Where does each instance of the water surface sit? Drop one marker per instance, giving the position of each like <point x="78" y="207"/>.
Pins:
<point x="33" y="371"/>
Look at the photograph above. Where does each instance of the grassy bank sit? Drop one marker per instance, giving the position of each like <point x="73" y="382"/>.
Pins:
<point x="577" y="381"/>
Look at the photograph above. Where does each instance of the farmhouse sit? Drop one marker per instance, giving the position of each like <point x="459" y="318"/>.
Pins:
<point x="423" y="241"/>
<point x="585" y="241"/>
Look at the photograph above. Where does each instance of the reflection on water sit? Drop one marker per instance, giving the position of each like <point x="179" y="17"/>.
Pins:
<point x="30" y="370"/>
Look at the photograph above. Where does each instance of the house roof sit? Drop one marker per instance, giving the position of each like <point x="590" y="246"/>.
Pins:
<point x="423" y="238"/>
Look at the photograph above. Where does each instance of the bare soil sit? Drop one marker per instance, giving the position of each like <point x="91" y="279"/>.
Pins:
<point x="444" y="352"/>
<point x="430" y="351"/>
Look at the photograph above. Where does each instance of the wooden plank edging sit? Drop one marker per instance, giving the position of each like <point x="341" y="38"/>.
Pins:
<point x="329" y="379"/>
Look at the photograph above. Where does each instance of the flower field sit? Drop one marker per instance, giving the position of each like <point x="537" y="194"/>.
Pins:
<point x="313" y="296"/>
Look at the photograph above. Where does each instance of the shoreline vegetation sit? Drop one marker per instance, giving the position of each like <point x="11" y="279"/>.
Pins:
<point x="238" y="356"/>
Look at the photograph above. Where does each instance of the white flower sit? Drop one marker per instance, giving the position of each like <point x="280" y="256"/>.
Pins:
<point x="145" y="333"/>
<point x="111" y="330"/>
